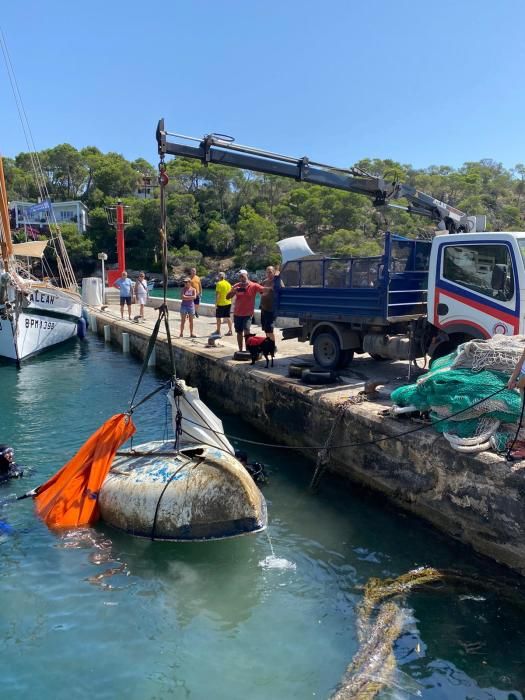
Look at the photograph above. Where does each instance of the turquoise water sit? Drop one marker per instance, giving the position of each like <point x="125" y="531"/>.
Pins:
<point x="208" y="295"/>
<point x="96" y="614"/>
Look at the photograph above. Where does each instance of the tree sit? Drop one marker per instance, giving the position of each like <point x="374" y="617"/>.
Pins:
<point x="219" y="238"/>
<point x="345" y="242"/>
<point x="183" y="215"/>
<point x="65" y="170"/>
<point x="101" y="234"/>
<point x="79" y="247"/>
<point x="114" y="176"/>
<point x="257" y="239"/>
<point x="19" y="182"/>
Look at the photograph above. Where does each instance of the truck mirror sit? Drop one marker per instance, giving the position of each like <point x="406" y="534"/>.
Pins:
<point x="499" y="276"/>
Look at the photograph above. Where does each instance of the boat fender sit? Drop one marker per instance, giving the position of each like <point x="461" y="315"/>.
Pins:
<point x="81" y="327"/>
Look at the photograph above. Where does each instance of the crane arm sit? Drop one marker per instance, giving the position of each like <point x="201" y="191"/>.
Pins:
<point x="221" y="150"/>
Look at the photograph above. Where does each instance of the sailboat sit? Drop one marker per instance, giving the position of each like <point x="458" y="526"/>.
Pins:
<point x="34" y="314"/>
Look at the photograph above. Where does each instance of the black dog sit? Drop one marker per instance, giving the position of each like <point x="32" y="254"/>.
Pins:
<point x="258" y="345"/>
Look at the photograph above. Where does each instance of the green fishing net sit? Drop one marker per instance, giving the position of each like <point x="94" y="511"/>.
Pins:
<point x="444" y="392"/>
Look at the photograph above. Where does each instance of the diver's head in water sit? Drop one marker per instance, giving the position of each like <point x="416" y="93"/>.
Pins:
<point x="7" y="457"/>
<point x="8" y="468"/>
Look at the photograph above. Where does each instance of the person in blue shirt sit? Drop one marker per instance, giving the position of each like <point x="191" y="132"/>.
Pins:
<point x="125" y="285"/>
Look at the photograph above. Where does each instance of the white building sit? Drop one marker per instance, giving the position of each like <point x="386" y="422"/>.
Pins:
<point x="36" y="215"/>
<point x="147" y="184"/>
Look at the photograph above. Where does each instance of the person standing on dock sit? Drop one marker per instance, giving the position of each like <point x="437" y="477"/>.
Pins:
<point x="125" y="286"/>
<point x="267" y="302"/>
<point x="141" y="293"/>
<point x="187" y="307"/>
<point x="244" y="292"/>
<point x="197" y="286"/>
<point x="222" y="304"/>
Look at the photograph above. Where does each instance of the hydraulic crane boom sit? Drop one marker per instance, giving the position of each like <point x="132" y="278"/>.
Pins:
<point x="221" y="150"/>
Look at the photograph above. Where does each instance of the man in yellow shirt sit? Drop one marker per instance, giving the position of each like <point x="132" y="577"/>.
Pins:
<point x="222" y="305"/>
<point x="197" y="286"/>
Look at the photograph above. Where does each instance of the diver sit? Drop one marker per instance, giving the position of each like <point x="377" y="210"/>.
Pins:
<point x="9" y="469"/>
<point x="254" y="469"/>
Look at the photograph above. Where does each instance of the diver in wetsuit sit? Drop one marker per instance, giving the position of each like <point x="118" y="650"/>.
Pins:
<point x="8" y="467"/>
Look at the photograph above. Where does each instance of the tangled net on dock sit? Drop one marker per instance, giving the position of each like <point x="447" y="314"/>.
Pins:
<point x="458" y="381"/>
<point x="374" y="665"/>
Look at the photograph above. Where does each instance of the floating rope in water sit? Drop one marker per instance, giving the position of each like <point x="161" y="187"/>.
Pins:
<point x="374" y="665"/>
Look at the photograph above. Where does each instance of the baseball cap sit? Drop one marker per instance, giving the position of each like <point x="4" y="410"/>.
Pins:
<point x="243" y="272"/>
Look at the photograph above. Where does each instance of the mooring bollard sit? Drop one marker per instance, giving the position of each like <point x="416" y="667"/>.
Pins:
<point x="152" y="359"/>
<point x="93" y="323"/>
<point x="107" y="334"/>
<point x="125" y="342"/>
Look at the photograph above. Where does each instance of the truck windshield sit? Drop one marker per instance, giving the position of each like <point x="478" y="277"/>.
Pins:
<point x="482" y="268"/>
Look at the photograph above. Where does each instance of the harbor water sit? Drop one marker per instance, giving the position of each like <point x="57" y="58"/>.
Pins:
<point x="207" y="297"/>
<point x="92" y="613"/>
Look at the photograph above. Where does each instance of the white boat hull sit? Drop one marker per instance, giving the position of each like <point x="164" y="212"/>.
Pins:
<point x="50" y="316"/>
<point x="198" y="493"/>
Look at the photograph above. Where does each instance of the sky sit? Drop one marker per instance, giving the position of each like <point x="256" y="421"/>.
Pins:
<point x="423" y="83"/>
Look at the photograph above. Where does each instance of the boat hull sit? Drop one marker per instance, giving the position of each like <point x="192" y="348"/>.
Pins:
<point x="199" y="493"/>
<point x="48" y="317"/>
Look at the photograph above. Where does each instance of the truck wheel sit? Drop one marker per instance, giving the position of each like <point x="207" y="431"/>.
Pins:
<point x="327" y="351"/>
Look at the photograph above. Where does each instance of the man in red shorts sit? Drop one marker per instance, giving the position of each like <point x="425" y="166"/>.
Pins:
<point x="244" y="292"/>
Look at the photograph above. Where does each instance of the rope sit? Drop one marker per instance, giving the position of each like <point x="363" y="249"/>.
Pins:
<point x="65" y="269"/>
<point x="508" y="455"/>
<point x="178" y="423"/>
<point x="163" y="308"/>
<point x="323" y="457"/>
<point x="348" y="444"/>
<point x="151" y="344"/>
<point x="163" y="181"/>
<point x="168" y="482"/>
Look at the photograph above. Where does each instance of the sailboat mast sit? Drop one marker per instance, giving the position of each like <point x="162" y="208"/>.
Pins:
<point x="6" y="244"/>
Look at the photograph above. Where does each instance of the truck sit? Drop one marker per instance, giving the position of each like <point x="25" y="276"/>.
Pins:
<point x="418" y="298"/>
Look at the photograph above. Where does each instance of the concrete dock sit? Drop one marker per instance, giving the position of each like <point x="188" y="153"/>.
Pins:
<point x="477" y="499"/>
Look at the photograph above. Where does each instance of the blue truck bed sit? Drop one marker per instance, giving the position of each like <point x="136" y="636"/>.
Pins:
<point x="375" y="290"/>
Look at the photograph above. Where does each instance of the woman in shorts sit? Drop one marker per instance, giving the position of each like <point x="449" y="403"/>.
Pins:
<point x="141" y="293"/>
<point x="187" y="307"/>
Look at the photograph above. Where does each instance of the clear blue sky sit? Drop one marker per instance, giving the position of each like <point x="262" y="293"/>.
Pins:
<point x="419" y="82"/>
